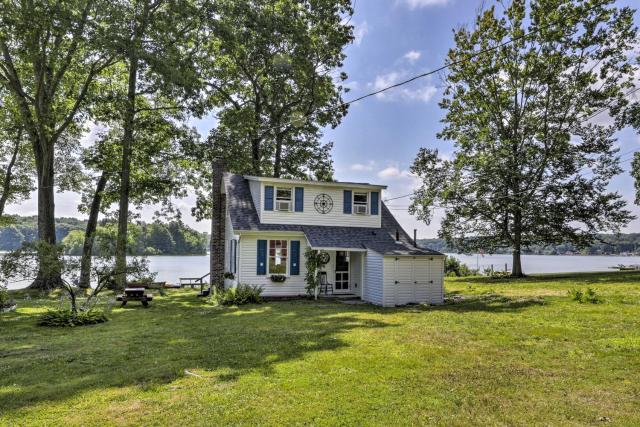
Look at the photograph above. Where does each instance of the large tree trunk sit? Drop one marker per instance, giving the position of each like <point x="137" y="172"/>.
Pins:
<point x="48" y="277"/>
<point x="516" y="269"/>
<point x="277" y="164"/>
<point x="125" y="173"/>
<point x="6" y="184"/>
<point x="90" y="232"/>
<point x="255" y="156"/>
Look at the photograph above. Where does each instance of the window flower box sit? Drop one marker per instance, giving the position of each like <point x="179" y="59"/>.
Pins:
<point x="278" y="278"/>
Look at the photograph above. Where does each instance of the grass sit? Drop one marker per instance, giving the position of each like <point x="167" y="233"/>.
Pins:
<point x="507" y="352"/>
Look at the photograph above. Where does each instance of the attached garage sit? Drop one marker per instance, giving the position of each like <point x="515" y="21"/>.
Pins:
<point x="413" y="279"/>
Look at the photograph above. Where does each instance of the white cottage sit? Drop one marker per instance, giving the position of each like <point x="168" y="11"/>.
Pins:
<point x="270" y="222"/>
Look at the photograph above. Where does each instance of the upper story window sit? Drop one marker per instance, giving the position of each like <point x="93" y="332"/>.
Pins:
<point x="284" y="198"/>
<point x="360" y="203"/>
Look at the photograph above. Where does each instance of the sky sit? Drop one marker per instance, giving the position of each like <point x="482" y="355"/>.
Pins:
<point x="379" y="138"/>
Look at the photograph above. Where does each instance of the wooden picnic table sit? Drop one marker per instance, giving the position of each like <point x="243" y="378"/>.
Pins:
<point x="135" y="294"/>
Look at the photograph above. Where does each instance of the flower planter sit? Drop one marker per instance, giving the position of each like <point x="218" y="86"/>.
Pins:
<point x="278" y="278"/>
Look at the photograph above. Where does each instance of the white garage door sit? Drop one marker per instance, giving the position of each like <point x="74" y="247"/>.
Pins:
<point x="413" y="280"/>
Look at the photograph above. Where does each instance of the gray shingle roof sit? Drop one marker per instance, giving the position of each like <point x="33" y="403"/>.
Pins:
<point x="382" y="240"/>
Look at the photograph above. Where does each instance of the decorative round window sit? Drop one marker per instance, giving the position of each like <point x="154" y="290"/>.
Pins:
<point x="323" y="203"/>
<point x="324" y="258"/>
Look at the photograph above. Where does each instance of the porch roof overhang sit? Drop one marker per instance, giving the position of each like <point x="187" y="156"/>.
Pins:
<point x="323" y="248"/>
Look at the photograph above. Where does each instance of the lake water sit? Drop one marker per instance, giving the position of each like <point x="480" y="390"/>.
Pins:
<point x="548" y="263"/>
<point x="171" y="268"/>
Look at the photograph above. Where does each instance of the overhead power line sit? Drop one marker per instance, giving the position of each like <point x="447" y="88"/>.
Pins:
<point x="436" y="70"/>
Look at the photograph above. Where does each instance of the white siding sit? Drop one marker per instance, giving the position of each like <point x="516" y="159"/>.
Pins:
<point x="373" y="278"/>
<point x="256" y="194"/>
<point x="388" y="278"/>
<point x="436" y="276"/>
<point x="228" y="235"/>
<point x="420" y="280"/>
<point x="248" y="253"/>
<point x="355" y="275"/>
<point x="310" y="216"/>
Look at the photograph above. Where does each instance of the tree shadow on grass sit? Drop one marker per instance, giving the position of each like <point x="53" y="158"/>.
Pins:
<point x="560" y="278"/>
<point x="158" y="344"/>
<point x="494" y="303"/>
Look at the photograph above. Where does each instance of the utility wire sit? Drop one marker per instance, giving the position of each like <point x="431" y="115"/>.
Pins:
<point x="434" y="71"/>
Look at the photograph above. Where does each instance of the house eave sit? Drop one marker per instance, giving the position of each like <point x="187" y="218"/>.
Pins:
<point x="340" y="184"/>
<point x="323" y="248"/>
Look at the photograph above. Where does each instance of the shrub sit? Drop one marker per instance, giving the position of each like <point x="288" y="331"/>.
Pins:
<point x="454" y="268"/>
<point x="242" y="294"/>
<point x="588" y="296"/>
<point x="4" y="297"/>
<point x="576" y="294"/>
<point x="61" y="318"/>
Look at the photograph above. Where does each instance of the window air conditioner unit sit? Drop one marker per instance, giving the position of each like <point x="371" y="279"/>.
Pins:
<point x="361" y="209"/>
<point x="283" y="206"/>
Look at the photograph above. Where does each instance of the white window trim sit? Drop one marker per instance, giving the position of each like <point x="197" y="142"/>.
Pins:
<point x="233" y="256"/>
<point x="353" y="202"/>
<point x="291" y="200"/>
<point x="286" y="263"/>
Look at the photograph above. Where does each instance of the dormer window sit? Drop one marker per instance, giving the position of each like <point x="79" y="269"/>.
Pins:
<point x="284" y="199"/>
<point x="360" y="203"/>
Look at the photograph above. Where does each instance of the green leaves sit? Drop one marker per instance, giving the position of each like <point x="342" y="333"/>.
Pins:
<point x="528" y="168"/>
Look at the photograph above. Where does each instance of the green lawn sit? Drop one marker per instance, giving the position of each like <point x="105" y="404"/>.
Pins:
<point x="510" y="353"/>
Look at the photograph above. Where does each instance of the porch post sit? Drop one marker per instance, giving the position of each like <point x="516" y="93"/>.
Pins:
<point x="315" y="279"/>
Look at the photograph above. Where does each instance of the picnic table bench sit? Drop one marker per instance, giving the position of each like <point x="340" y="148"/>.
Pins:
<point x="193" y="281"/>
<point x="134" y="294"/>
<point x="147" y="285"/>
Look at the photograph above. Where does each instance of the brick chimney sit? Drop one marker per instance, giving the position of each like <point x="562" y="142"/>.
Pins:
<point x="218" y="213"/>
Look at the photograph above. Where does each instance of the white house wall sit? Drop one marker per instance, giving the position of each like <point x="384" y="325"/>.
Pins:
<point x="355" y="275"/>
<point x="373" y="267"/>
<point x="256" y="194"/>
<point x="419" y="280"/>
<point x="310" y="216"/>
<point x="248" y="254"/>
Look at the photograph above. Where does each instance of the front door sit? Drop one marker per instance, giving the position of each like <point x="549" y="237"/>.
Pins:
<point x="342" y="271"/>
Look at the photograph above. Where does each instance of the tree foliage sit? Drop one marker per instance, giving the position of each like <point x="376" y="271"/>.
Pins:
<point x="51" y="54"/>
<point x="528" y="169"/>
<point x="273" y="80"/>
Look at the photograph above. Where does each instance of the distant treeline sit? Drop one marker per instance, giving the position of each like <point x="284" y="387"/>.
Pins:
<point x="610" y="244"/>
<point x="157" y="238"/>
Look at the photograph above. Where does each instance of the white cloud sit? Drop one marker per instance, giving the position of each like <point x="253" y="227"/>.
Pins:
<point x="352" y="85"/>
<point x="416" y="91"/>
<point x="417" y="4"/>
<point x="359" y="32"/>
<point x="412" y="56"/>
<point x="360" y="167"/>
<point x="390" y="172"/>
<point x="394" y="172"/>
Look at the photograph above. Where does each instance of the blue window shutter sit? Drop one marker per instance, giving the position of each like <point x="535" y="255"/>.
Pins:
<point x="374" y="202"/>
<point x="261" y="264"/>
<point x="268" y="197"/>
<point x="234" y="256"/>
<point x="294" y="269"/>
<point x="299" y="199"/>
<point x="346" y="207"/>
